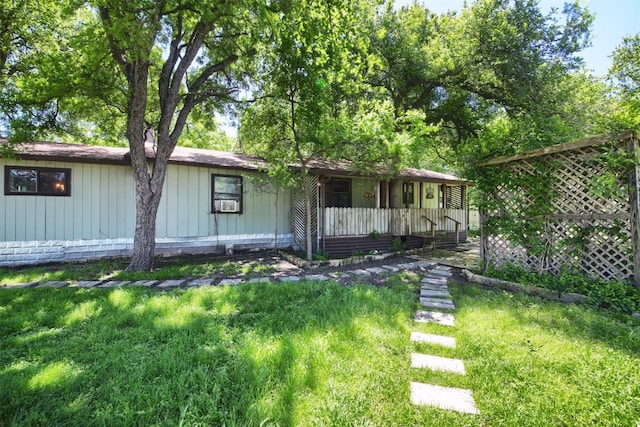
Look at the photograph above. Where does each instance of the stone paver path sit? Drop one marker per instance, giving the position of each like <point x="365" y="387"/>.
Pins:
<point x="434" y="294"/>
<point x="445" y="304"/>
<point x="440" y="318"/>
<point x="171" y="284"/>
<point x="433" y="339"/>
<point x="448" y="398"/>
<point x="437" y="363"/>
<point x="437" y="293"/>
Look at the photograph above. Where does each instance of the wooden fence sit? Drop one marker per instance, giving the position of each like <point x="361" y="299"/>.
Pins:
<point x="588" y="223"/>
<point x="398" y="222"/>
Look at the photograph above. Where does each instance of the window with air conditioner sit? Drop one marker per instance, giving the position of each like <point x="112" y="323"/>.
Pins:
<point x="226" y="194"/>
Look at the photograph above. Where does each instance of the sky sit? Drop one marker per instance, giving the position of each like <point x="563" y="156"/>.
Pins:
<point x="614" y="19"/>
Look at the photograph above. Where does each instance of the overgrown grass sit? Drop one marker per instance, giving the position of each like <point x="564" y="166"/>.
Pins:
<point x="169" y="268"/>
<point x="304" y="354"/>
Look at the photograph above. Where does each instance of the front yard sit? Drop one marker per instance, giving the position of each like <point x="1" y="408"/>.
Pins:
<point x="305" y="354"/>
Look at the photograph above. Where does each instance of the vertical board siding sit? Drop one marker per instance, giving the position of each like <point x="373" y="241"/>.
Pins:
<point x="102" y="206"/>
<point x="399" y="222"/>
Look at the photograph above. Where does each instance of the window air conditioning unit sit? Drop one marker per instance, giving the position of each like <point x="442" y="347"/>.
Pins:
<point x="228" y="206"/>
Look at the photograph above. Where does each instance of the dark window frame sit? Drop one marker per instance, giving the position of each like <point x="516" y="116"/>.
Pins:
<point x="408" y="191"/>
<point x="339" y="199"/>
<point x="39" y="191"/>
<point x="239" y="196"/>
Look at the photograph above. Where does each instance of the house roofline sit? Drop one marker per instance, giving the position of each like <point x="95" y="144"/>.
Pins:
<point x="97" y="154"/>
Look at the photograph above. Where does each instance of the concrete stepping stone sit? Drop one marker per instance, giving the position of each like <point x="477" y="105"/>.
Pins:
<point x="145" y="283"/>
<point x="316" y="277"/>
<point x="437" y="363"/>
<point x="424" y="264"/>
<point x="408" y="266"/>
<point x="20" y="285"/>
<point x="359" y="272"/>
<point x="260" y="280"/>
<point x="171" y="284"/>
<point x="114" y="284"/>
<point x="434" y="281"/>
<point x="377" y="270"/>
<point x="423" y="316"/>
<point x="447" y="398"/>
<point x="442" y="304"/>
<point x="440" y="340"/>
<point x="199" y="282"/>
<point x="52" y="284"/>
<point x="442" y="267"/>
<point x="441" y="273"/>
<point x="339" y="275"/>
<point x="87" y="284"/>
<point x="434" y="293"/>
<point x="289" y="279"/>
<point x="229" y="282"/>
<point x="391" y="268"/>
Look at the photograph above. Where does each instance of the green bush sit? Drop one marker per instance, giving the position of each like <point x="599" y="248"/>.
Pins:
<point x="616" y="295"/>
<point x="396" y="245"/>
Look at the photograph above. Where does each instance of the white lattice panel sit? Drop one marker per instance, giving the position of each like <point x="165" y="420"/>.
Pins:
<point x="586" y="225"/>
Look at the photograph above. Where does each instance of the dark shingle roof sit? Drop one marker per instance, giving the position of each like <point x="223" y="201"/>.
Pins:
<point x="81" y="153"/>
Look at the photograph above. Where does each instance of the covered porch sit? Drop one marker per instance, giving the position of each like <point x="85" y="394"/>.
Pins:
<point x="346" y="230"/>
<point x="415" y="209"/>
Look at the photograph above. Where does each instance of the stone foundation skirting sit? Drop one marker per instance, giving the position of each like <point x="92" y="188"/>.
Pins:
<point x="44" y="251"/>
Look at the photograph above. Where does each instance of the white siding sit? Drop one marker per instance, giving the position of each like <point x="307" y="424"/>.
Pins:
<point x="102" y="206"/>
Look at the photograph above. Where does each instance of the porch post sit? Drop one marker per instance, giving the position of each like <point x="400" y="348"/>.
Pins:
<point x="634" y="207"/>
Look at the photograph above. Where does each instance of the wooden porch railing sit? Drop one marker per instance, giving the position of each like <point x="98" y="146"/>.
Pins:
<point x="399" y="222"/>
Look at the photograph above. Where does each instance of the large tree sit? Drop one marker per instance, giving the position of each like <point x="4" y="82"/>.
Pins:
<point x="626" y="71"/>
<point x="459" y="70"/>
<point x="125" y="67"/>
<point x="310" y="91"/>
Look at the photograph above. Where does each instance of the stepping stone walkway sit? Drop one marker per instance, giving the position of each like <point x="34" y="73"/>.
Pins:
<point x="448" y="398"/>
<point x="437" y="363"/>
<point x="434" y="294"/>
<point x="433" y="339"/>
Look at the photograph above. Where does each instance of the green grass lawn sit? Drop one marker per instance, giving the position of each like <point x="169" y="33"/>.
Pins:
<point x="308" y="354"/>
<point x="165" y="269"/>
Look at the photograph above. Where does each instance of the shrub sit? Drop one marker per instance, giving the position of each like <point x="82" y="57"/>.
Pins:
<point x="616" y="295"/>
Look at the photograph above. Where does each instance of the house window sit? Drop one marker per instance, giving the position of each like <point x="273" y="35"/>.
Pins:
<point x="226" y="194"/>
<point x="338" y="193"/>
<point x="407" y="193"/>
<point x="30" y="181"/>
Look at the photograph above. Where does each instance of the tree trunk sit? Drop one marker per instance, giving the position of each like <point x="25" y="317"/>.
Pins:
<point x="147" y="200"/>
<point x="144" y="239"/>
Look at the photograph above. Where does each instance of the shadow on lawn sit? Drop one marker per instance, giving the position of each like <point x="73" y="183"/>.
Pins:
<point x="134" y="356"/>
<point x="579" y="322"/>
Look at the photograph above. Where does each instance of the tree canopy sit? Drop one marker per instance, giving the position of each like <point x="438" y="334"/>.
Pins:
<point x="356" y="80"/>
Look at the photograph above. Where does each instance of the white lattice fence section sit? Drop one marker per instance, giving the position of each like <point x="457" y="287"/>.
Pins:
<point x="299" y="213"/>
<point x="585" y="224"/>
